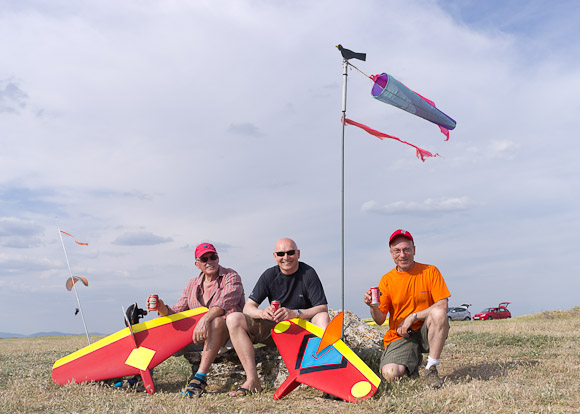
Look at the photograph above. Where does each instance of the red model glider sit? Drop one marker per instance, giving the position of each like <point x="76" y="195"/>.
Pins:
<point x="131" y="351"/>
<point x="334" y="369"/>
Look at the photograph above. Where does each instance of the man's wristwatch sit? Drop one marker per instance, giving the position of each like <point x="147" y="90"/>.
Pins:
<point x="299" y="312"/>
<point x="415" y="317"/>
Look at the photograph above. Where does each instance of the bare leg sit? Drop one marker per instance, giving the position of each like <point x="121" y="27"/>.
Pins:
<point x="321" y="319"/>
<point x="217" y="337"/>
<point x="393" y="371"/>
<point x="438" y="329"/>
<point x="244" y="347"/>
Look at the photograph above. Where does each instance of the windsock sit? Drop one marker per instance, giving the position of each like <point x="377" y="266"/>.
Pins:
<point x="389" y="90"/>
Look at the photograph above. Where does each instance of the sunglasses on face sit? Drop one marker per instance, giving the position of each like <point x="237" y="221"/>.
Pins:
<point x="205" y="259"/>
<point x="289" y="253"/>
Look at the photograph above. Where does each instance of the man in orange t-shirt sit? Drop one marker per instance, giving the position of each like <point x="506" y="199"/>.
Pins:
<point x="415" y="296"/>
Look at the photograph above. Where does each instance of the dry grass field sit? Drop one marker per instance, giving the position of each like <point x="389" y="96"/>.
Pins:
<point x="528" y="364"/>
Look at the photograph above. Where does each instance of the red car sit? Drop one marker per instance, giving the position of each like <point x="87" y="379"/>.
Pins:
<point x="501" y="312"/>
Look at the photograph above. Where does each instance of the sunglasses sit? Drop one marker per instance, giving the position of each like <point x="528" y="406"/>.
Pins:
<point x="206" y="258"/>
<point x="289" y="253"/>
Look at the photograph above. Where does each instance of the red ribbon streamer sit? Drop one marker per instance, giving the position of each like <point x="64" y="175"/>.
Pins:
<point x="82" y="244"/>
<point x="421" y="153"/>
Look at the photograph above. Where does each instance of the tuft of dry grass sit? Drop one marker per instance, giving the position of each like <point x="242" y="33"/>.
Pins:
<point x="528" y="364"/>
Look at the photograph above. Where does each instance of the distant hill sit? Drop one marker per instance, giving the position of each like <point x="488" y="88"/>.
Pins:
<point x="11" y="335"/>
<point x="4" y="335"/>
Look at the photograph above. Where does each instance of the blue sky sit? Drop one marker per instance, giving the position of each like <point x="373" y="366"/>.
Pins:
<point x="145" y="128"/>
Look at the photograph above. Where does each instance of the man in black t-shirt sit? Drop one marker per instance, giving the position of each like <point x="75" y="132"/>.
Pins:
<point x="298" y="289"/>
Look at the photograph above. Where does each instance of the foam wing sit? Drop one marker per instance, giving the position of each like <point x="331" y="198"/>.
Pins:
<point x="336" y="369"/>
<point x="131" y="351"/>
<point x="72" y="280"/>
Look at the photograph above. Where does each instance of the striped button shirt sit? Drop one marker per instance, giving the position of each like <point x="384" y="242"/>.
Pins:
<point x="227" y="293"/>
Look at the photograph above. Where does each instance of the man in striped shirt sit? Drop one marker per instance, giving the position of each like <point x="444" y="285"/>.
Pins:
<point x="220" y="290"/>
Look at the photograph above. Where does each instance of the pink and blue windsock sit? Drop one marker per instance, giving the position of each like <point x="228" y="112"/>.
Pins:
<point x="389" y="90"/>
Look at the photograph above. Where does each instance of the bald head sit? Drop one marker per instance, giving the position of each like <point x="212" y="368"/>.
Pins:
<point x="285" y="243"/>
<point x="286" y="254"/>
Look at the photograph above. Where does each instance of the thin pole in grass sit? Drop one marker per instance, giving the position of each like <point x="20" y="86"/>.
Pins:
<point x="60" y="232"/>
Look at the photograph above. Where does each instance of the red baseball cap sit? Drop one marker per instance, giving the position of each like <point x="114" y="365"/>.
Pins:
<point x="203" y="249"/>
<point x="401" y="232"/>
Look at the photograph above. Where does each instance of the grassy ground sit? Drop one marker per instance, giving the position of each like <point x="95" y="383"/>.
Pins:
<point x="529" y="364"/>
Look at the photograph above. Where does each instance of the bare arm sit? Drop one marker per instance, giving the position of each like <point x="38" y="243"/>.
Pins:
<point x="251" y="309"/>
<point x="421" y="315"/>
<point x="378" y="315"/>
<point x="162" y="308"/>
<point x="285" y="313"/>
<point x="201" y="331"/>
<point x="443" y="304"/>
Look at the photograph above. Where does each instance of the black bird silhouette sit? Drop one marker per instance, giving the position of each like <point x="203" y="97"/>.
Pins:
<point x="349" y="54"/>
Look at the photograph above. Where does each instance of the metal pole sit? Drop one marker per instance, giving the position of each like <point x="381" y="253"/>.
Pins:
<point x="344" y="82"/>
<point x="74" y="287"/>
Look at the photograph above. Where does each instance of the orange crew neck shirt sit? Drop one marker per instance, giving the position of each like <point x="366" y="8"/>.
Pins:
<point x="404" y="293"/>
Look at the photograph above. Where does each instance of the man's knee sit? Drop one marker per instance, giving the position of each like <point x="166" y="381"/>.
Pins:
<point x="393" y="371"/>
<point x="321" y="319"/>
<point x="438" y="316"/>
<point x="437" y="325"/>
<point x="218" y="325"/>
<point x="218" y="322"/>
<point x="235" y="321"/>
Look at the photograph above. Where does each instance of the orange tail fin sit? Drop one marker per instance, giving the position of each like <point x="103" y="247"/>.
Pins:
<point x="332" y="333"/>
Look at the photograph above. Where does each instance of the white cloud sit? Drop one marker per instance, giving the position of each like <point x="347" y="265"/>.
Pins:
<point x="442" y="205"/>
<point x="18" y="233"/>
<point x="244" y="129"/>
<point x="503" y="149"/>
<point x="141" y="238"/>
<point x="12" y="98"/>
<point x="20" y="263"/>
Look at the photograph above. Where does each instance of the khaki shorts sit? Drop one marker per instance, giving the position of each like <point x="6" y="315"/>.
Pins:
<point x="407" y="351"/>
<point x="260" y="330"/>
<point x="199" y="348"/>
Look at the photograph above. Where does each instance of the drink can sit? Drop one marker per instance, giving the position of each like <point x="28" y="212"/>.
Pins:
<point x="275" y="304"/>
<point x="375" y="296"/>
<point x="152" y="302"/>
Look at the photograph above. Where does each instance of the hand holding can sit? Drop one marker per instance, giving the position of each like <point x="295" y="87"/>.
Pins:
<point x="152" y="302"/>
<point x="375" y="296"/>
<point x="275" y="304"/>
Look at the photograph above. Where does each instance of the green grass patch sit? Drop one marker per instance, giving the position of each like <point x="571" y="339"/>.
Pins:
<point x="498" y="340"/>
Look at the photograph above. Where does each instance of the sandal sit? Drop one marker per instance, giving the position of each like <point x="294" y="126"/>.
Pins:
<point x="240" y="392"/>
<point x="133" y="383"/>
<point x="196" y="388"/>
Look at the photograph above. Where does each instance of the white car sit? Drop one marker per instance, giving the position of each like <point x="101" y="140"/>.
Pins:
<point x="459" y="313"/>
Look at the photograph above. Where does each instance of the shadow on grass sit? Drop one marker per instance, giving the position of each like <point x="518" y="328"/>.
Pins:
<point x="486" y="370"/>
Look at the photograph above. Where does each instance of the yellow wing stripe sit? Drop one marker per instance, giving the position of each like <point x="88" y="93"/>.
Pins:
<point x="343" y="349"/>
<point x="164" y="320"/>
